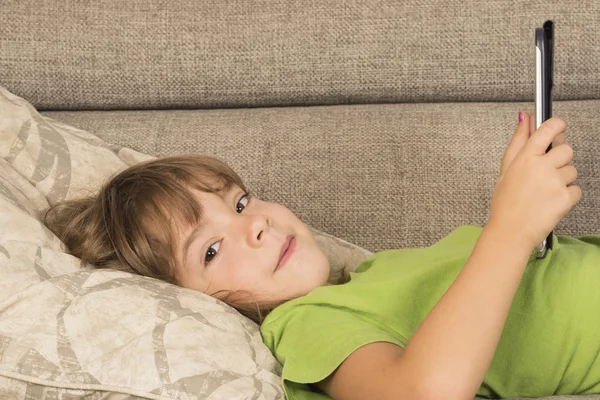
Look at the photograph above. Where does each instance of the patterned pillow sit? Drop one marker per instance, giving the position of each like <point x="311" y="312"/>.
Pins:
<point x="68" y="330"/>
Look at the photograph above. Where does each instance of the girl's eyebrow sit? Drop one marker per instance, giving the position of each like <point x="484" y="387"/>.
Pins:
<point x="195" y="233"/>
<point x="200" y="228"/>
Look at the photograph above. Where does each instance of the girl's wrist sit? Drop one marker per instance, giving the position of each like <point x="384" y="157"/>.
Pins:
<point x="508" y="236"/>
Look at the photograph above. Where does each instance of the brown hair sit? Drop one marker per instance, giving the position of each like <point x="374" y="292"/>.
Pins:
<point x="117" y="228"/>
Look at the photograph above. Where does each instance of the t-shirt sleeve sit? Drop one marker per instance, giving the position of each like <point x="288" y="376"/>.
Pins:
<point x="312" y="340"/>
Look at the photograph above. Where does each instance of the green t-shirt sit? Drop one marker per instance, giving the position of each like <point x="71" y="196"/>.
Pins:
<point x="550" y="344"/>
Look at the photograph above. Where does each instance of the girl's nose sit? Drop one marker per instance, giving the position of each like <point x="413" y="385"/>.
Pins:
<point x="258" y="226"/>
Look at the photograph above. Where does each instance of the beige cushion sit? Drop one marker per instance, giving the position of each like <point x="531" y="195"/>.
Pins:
<point x="68" y="329"/>
<point x="382" y="176"/>
<point x="151" y="54"/>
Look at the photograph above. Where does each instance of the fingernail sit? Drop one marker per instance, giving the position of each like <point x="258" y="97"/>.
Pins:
<point x="521" y="116"/>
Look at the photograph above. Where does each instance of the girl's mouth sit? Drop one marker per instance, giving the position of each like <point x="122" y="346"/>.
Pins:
<point x="287" y="249"/>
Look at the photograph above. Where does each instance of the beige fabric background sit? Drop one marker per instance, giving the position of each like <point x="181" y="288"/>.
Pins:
<point x="378" y="175"/>
<point x="385" y="176"/>
<point x="114" y="54"/>
<point x="412" y="103"/>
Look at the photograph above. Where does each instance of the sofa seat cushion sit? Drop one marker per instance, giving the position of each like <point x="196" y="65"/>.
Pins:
<point x="381" y="176"/>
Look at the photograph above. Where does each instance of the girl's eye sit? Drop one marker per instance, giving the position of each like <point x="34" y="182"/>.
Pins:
<point x="211" y="253"/>
<point x="247" y="198"/>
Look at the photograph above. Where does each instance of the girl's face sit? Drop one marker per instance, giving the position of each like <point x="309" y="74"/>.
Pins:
<point x="244" y="243"/>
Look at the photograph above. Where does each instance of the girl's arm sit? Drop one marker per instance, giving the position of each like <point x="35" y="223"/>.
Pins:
<point x="453" y="347"/>
<point x="451" y="350"/>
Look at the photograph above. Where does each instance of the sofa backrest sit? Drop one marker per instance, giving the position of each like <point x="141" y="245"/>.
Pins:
<point x="152" y="54"/>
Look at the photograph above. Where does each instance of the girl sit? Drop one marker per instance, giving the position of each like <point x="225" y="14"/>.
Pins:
<point x="475" y="313"/>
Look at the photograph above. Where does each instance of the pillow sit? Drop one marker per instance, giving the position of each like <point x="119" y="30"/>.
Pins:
<point x="69" y="330"/>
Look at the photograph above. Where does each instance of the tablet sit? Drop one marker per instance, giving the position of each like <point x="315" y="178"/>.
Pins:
<point x="544" y="74"/>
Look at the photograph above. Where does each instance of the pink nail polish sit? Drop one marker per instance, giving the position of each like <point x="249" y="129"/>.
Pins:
<point x="521" y="116"/>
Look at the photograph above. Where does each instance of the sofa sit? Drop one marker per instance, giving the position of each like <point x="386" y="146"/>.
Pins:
<point x="379" y="124"/>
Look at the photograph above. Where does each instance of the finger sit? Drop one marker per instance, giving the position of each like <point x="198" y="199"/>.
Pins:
<point x="545" y="134"/>
<point x="561" y="155"/>
<point x="568" y="174"/>
<point x="517" y="142"/>
<point x="560" y="139"/>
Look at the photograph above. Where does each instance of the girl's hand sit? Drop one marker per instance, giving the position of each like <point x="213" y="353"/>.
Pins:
<point x="532" y="193"/>
<point x="521" y="135"/>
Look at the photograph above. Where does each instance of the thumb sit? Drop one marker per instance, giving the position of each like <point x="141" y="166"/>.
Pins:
<point x="518" y="141"/>
<point x="542" y="138"/>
